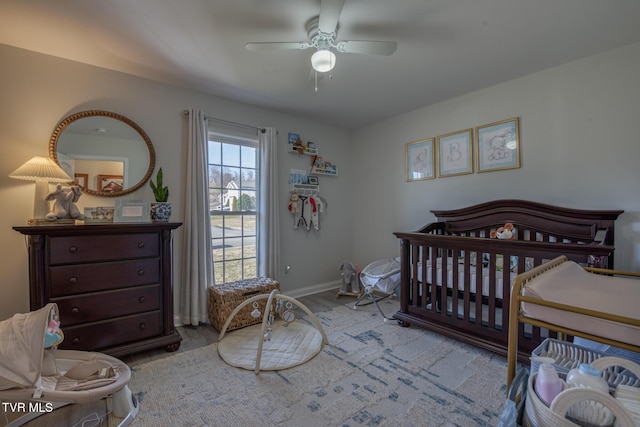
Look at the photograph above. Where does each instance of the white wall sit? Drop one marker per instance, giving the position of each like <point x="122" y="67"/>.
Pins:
<point x="578" y="134"/>
<point x="579" y="145"/>
<point x="38" y="91"/>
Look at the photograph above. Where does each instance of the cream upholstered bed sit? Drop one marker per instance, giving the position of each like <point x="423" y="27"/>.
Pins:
<point x="459" y="244"/>
<point x="593" y="303"/>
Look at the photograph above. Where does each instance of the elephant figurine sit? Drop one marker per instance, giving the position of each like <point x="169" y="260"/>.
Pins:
<point x="64" y="205"/>
<point x="350" y="278"/>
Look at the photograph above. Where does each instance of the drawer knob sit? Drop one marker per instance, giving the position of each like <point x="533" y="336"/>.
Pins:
<point x="141" y="272"/>
<point x="141" y="299"/>
<point x="143" y="326"/>
<point x="141" y="245"/>
<point x="75" y="310"/>
<point x="76" y="340"/>
<point x="73" y="279"/>
<point x="73" y="249"/>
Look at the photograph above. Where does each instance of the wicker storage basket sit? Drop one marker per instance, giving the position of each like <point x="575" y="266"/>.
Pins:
<point x="223" y="299"/>
<point x="538" y="414"/>
<point x="568" y="356"/>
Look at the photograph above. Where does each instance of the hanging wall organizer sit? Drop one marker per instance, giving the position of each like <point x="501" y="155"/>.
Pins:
<point x="305" y="203"/>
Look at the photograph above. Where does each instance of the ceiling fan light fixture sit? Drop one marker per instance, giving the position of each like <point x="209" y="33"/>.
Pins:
<point x="323" y="60"/>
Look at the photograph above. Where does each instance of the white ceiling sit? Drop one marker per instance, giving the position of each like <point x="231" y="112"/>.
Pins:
<point x="446" y="48"/>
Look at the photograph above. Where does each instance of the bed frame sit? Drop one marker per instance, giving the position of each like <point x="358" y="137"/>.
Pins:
<point x="543" y="233"/>
<point x="517" y="319"/>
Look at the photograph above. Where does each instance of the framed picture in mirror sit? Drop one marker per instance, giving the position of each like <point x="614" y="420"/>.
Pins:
<point x="81" y="179"/>
<point x="110" y="183"/>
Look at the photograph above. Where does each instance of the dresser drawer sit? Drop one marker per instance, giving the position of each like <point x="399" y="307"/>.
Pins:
<point x="97" y="335"/>
<point x="112" y="283"/>
<point x="91" y="248"/>
<point x="84" y="278"/>
<point x="106" y="305"/>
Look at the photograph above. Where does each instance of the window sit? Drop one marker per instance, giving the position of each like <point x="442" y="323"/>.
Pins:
<point x="233" y="172"/>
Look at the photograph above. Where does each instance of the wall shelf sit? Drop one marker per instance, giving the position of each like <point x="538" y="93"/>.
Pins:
<point x="332" y="171"/>
<point x="305" y="151"/>
<point x="306" y="189"/>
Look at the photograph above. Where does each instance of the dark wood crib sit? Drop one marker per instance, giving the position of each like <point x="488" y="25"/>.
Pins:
<point x="456" y="280"/>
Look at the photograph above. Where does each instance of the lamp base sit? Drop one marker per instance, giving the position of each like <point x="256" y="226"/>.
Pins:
<point x="40" y="204"/>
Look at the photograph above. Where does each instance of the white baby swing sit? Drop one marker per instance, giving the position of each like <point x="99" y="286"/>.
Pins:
<point x="36" y="378"/>
<point x="382" y="275"/>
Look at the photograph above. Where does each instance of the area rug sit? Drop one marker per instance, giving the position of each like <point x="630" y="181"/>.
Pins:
<point x="373" y="373"/>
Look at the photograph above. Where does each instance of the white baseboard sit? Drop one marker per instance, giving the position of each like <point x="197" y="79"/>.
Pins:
<point x="314" y="289"/>
<point x="295" y="293"/>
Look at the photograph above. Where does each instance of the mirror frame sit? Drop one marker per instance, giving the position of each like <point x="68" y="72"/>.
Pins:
<point x="57" y="132"/>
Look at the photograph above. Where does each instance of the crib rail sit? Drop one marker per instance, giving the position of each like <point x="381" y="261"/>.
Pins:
<point x="459" y="285"/>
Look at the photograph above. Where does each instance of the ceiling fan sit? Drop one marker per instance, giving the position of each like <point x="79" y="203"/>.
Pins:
<point x="322" y="32"/>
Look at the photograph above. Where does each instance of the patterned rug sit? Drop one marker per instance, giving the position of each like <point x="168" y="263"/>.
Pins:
<point x="372" y="373"/>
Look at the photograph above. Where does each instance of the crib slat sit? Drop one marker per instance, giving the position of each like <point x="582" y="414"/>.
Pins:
<point x="455" y="279"/>
<point x="478" y="300"/>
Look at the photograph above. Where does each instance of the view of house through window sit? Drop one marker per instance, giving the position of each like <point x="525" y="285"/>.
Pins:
<point x="233" y="172"/>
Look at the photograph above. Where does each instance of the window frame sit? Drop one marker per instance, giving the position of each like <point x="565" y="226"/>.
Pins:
<point x="247" y="258"/>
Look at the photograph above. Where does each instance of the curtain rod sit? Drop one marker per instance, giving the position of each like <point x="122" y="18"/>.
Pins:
<point x="262" y="130"/>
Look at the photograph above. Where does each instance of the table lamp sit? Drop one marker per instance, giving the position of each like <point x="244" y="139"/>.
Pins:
<point x="42" y="170"/>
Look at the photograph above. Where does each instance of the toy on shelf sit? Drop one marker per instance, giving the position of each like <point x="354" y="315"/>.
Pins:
<point x="322" y="167"/>
<point x="64" y="205"/>
<point x="296" y="145"/>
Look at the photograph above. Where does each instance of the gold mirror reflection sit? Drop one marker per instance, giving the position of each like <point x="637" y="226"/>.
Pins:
<point x="108" y="154"/>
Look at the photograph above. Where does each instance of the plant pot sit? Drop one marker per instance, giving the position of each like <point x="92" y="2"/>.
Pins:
<point x="160" y="211"/>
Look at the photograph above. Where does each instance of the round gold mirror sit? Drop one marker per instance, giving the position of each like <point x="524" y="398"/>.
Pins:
<point x="107" y="154"/>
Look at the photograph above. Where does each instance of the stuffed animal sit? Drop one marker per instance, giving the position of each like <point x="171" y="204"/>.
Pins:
<point x="506" y="232"/>
<point x="298" y="146"/>
<point x="64" y="205"/>
<point x="294" y="203"/>
<point x="296" y="206"/>
<point x="350" y="278"/>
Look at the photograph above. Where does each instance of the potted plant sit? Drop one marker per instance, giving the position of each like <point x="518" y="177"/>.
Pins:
<point x="161" y="209"/>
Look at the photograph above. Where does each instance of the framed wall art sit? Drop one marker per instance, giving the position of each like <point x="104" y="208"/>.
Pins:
<point x="419" y="160"/>
<point x="498" y="145"/>
<point x="99" y="215"/>
<point x="132" y="211"/>
<point x="455" y="153"/>
<point x="110" y="183"/>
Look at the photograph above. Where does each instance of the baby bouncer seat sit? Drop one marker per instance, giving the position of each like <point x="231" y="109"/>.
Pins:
<point x="36" y="378"/>
<point x="382" y="276"/>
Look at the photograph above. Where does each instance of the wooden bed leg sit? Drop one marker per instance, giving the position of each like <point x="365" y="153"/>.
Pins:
<point x="403" y="323"/>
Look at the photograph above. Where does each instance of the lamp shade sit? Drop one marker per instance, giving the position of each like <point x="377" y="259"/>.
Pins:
<point x="41" y="169"/>
<point x="323" y="60"/>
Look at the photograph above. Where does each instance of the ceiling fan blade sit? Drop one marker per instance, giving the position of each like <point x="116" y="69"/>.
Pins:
<point x="329" y="15"/>
<point x="368" y="47"/>
<point x="277" y="45"/>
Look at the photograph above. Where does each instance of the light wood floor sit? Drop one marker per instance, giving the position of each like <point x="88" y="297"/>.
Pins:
<point x="202" y="335"/>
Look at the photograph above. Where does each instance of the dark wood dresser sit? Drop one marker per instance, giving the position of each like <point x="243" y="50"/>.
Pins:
<point x="112" y="284"/>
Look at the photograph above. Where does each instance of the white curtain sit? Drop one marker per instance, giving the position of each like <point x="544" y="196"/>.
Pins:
<point x="197" y="256"/>
<point x="268" y="228"/>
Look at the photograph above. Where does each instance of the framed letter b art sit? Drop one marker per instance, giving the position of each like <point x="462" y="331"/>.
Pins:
<point x="419" y="160"/>
<point x="455" y="153"/>
<point x="498" y="145"/>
